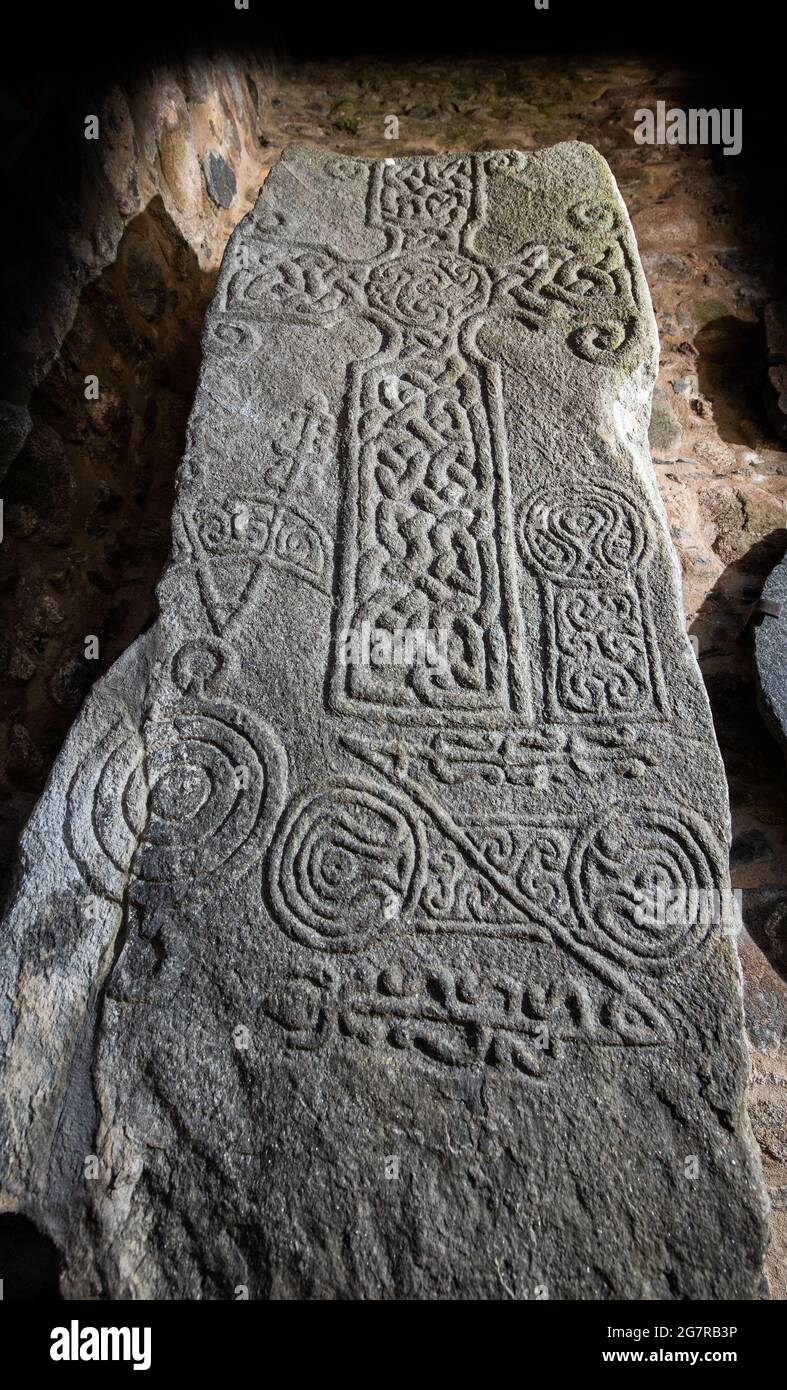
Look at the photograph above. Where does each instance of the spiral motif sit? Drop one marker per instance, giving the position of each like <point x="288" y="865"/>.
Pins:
<point x="428" y="294"/>
<point x="506" y="162"/>
<point x="597" y="341"/>
<point x="645" y="885"/>
<point x="592" y="216"/>
<point x="234" y="340"/>
<point x="344" y="862"/>
<point x="215" y="787"/>
<point x="196" y="795"/>
<point x="106" y="809"/>
<point x="593" y="535"/>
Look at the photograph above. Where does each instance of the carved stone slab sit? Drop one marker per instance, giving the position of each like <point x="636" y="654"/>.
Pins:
<point x="339" y="967"/>
<point x="770" y="649"/>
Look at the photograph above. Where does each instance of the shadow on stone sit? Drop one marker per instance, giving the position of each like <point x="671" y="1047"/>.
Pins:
<point x="731" y="369"/>
<point x="29" y="1261"/>
<point x="765" y="917"/>
<point x="752" y="761"/>
<point x="88" y="501"/>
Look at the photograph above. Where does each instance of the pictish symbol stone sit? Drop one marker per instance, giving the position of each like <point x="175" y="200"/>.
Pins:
<point x="412" y="788"/>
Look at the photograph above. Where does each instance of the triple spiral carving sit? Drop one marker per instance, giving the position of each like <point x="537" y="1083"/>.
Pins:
<point x="346" y="861"/>
<point x="195" y="796"/>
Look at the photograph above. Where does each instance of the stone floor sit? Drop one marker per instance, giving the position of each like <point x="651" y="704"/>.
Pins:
<point x="88" y="521"/>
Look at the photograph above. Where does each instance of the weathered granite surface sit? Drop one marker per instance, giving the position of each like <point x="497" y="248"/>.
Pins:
<point x="343" y="979"/>
<point x="770" y="653"/>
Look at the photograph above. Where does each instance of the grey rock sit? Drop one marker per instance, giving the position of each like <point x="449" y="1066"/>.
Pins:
<point x="775" y="318"/>
<point x="15" y="426"/>
<point x="770" y="654"/>
<point x="765" y="917"/>
<point x="665" y="433"/>
<point x="660" y="266"/>
<point x="219" y="179"/>
<point x="342" y="955"/>
<point x="750" y="847"/>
